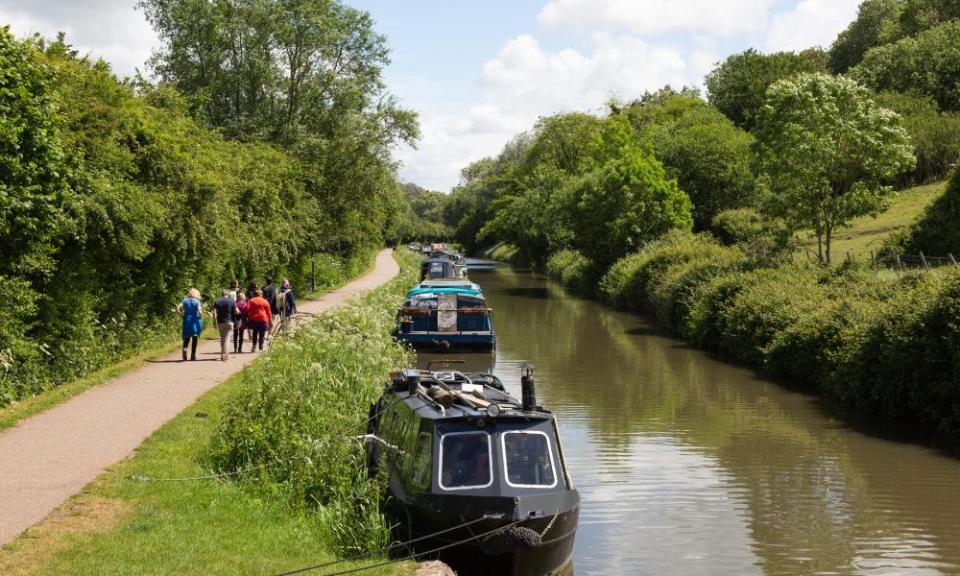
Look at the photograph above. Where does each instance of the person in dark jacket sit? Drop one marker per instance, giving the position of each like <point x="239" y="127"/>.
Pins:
<point x="286" y="301"/>
<point x="225" y="315"/>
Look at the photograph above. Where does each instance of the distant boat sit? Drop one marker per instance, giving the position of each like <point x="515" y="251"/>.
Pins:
<point x="446" y="314"/>
<point x="463" y="457"/>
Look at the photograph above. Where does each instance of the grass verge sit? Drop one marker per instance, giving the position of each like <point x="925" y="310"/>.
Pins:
<point x="134" y="519"/>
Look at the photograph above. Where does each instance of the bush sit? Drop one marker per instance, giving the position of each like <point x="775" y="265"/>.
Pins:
<point x="937" y="232"/>
<point x="571" y="268"/>
<point x="760" y="236"/>
<point x="294" y="419"/>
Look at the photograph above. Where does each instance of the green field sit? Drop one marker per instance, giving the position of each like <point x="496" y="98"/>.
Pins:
<point x="868" y="233"/>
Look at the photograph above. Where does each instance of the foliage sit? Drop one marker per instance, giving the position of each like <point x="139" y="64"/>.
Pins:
<point x="139" y="203"/>
<point x="699" y="147"/>
<point x="927" y="64"/>
<point x="937" y="232"/>
<point x="625" y="204"/>
<point x="295" y="416"/>
<point x="935" y="135"/>
<point x="572" y="269"/>
<point x="423" y="212"/>
<point x="760" y="236"/>
<point x="577" y="182"/>
<point x="306" y="76"/>
<point x="877" y="23"/>
<point x="738" y="85"/>
<point x="828" y="150"/>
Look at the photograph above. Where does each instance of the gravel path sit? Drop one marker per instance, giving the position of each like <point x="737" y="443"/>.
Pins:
<point x="51" y="456"/>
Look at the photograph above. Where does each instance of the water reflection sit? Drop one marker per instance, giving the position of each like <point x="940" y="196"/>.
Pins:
<point x="687" y="465"/>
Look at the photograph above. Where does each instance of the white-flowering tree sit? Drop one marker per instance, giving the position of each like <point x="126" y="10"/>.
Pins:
<point x="828" y="151"/>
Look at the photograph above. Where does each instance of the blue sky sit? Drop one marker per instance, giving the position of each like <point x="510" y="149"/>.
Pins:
<point x="480" y="72"/>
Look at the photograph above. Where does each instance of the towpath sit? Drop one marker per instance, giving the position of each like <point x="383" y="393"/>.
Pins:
<point x="49" y="457"/>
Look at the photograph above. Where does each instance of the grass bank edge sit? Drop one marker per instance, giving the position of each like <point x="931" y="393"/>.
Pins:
<point x="211" y="526"/>
<point x="34" y="404"/>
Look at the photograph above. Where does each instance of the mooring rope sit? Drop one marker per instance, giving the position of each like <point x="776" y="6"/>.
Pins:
<point x="405" y="558"/>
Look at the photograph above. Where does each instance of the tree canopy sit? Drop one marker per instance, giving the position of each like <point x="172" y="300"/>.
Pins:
<point x="737" y="86"/>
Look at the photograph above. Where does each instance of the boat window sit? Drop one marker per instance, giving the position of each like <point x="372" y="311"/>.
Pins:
<point x="421" y="460"/>
<point x="465" y="461"/>
<point x="528" y="460"/>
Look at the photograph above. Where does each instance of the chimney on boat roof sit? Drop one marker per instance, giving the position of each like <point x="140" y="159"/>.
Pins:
<point x="529" y="399"/>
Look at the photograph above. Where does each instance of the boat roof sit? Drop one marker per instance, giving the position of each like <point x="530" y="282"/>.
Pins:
<point x="472" y="393"/>
<point x="431" y="291"/>
<point x="449" y="283"/>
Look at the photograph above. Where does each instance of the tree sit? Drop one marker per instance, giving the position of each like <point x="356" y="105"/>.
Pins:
<point x="625" y="204"/>
<point x="828" y="150"/>
<point x="935" y="135"/>
<point x="877" y="23"/>
<point x="699" y="147"/>
<point x="927" y="64"/>
<point x="737" y="86"/>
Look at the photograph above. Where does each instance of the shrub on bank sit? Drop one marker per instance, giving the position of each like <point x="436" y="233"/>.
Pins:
<point x="880" y="344"/>
<point x="294" y="421"/>
<point x="571" y="268"/>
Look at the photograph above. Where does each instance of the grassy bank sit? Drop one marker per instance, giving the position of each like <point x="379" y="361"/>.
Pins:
<point x="294" y="493"/>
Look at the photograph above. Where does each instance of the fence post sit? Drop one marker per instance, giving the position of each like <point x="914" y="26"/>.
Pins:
<point x="896" y="255"/>
<point x="952" y="259"/>
<point x="924" y="260"/>
<point x="873" y="260"/>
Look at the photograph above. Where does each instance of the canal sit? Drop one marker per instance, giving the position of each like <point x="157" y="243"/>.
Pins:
<point x="687" y="465"/>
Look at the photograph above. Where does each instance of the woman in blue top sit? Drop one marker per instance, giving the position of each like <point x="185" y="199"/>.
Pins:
<point x="191" y="309"/>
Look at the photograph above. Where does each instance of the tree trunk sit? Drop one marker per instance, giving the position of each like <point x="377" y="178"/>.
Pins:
<point x="829" y="236"/>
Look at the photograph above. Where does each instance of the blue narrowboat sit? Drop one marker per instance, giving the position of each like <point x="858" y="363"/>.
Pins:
<point x="446" y="314"/>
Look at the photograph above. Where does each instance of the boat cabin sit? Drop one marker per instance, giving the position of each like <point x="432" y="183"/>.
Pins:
<point x="446" y="314"/>
<point x="456" y="447"/>
<point x="438" y="269"/>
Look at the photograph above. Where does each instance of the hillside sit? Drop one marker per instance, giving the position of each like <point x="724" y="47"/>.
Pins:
<point x="868" y="233"/>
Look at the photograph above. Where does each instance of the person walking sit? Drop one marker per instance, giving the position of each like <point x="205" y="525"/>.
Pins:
<point x="259" y="314"/>
<point x="241" y="323"/>
<point x="224" y="315"/>
<point x="286" y="302"/>
<point x="191" y="310"/>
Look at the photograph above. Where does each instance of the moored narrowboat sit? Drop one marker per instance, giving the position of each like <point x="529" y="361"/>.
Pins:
<point x="446" y="314"/>
<point x="476" y="475"/>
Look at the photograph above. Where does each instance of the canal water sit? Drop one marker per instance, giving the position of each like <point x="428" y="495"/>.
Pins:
<point x="687" y="465"/>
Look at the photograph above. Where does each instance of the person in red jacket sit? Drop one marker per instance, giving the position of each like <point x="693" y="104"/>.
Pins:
<point x="258" y="316"/>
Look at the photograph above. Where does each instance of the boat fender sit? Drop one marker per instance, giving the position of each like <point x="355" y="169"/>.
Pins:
<point x="512" y="539"/>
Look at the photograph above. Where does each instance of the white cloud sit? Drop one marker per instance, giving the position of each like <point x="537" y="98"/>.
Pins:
<point x="650" y="17"/>
<point x="110" y="29"/>
<point x="810" y="23"/>
<point x="525" y="81"/>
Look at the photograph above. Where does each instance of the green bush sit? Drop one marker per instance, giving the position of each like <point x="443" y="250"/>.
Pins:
<point x="937" y="232"/>
<point x="760" y="236"/>
<point x="571" y="268"/>
<point x="294" y="420"/>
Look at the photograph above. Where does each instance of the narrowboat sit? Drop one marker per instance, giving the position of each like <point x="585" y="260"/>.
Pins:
<point x="476" y="476"/>
<point x="439" y="269"/>
<point x="446" y="314"/>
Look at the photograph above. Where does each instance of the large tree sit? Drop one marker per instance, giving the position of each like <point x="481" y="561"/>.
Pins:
<point x="305" y="74"/>
<point x="700" y="147"/>
<point x="927" y="64"/>
<point x="736" y="86"/>
<point x="828" y="150"/>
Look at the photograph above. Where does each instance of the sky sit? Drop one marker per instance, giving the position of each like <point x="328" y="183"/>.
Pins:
<point x="478" y="73"/>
